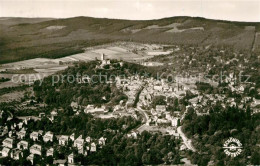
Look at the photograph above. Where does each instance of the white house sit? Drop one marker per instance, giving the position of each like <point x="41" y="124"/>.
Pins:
<point x="175" y="121"/>
<point x="160" y="109"/>
<point x="93" y="147"/>
<point x="59" y="162"/>
<point x="30" y="158"/>
<point x="48" y="137"/>
<point x="10" y="133"/>
<point x="5" y="152"/>
<point x="20" y="125"/>
<point x="53" y="114"/>
<point x="79" y="142"/>
<point x="34" y="136"/>
<point x="71" y="158"/>
<point x="88" y="139"/>
<point x="8" y="143"/>
<point x="22" y="145"/>
<point x="102" y="141"/>
<point x="36" y="149"/>
<point x="16" y="153"/>
<point x="74" y="106"/>
<point x="21" y="134"/>
<point x="63" y="140"/>
<point x="49" y="152"/>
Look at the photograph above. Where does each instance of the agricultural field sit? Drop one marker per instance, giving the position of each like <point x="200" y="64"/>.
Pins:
<point x="35" y="69"/>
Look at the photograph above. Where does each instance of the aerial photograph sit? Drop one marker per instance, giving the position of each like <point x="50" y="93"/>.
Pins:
<point x="130" y="82"/>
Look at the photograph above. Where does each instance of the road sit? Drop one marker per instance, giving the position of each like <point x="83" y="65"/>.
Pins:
<point x="186" y="141"/>
<point x="146" y="118"/>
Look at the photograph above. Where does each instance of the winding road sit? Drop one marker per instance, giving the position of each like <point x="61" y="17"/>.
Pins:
<point x="186" y="140"/>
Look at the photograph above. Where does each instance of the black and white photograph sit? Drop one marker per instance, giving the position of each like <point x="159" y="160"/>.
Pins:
<point x="130" y="82"/>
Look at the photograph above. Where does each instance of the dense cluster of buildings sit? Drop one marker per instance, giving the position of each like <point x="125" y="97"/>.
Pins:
<point x="44" y="143"/>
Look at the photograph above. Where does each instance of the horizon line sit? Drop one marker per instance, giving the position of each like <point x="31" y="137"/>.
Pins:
<point x="214" y="19"/>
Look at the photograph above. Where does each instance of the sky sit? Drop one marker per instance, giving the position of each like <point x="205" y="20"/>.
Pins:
<point x="234" y="10"/>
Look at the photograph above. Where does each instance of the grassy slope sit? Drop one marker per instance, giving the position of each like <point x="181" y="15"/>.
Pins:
<point x="29" y="38"/>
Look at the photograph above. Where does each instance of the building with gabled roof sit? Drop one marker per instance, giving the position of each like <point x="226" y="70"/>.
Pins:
<point x="102" y="141"/>
<point x="71" y="158"/>
<point x="60" y="162"/>
<point x="22" y="145"/>
<point x="50" y="152"/>
<point x="5" y="152"/>
<point x="79" y="142"/>
<point x="48" y="137"/>
<point x="16" y="154"/>
<point x="88" y="139"/>
<point x="93" y="147"/>
<point x="63" y="140"/>
<point x="21" y="134"/>
<point x="36" y="149"/>
<point x="34" y="136"/>
<point x="8" y="143"/>
<point x="30" y="158"/>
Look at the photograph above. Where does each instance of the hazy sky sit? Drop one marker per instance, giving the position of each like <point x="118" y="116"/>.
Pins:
<point x="236" y="10"/>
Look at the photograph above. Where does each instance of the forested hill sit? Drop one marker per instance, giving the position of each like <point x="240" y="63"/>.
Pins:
<point x="22" y="38"/>
<point x="209" y="133"/>
<point x="73" y="84"/>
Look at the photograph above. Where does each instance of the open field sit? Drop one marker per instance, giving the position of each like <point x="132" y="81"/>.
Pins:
<point x="13" y="96"/>
<point x="38" y="68"/>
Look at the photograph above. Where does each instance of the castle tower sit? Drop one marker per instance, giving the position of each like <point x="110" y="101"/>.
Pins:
<point x="102" y="57"/>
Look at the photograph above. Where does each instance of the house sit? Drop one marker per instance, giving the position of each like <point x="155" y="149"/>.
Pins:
<point x="3" y="130"/>
<point x="133" y="134"/>
<point x="175" y="122"/>
<point x="158" y="88"/>
<point x="79" y="142"/>
<point x="63" y="140"/>
<point x="36" y="149"/>
<point x="49" y="152"/>
<point x="5" y="152"/>
<point x="59" y="162"/>
<point x="160" y="108"/>
<point x="22" y="145"/>
<point x="88" y="139"/>
<point x="20" y="125"/>
<point x="8" y="143"/>
<point x="53" y="114"/>
<point x="48" y="137"/>
<point x="173" y="132"/>
<point x="74" y="106"/>
<point x="34" y="136"/>
<point x="10" y="133"/>
<point x="95" y="111"/>
<point x="102" y="141"/>
<point x="72" y="137"/>
<point x="162" y="121"/>
<point x="82" y="151"/>
<point x="21" y="134"/>
<point x="93" y="147"/>
<point x="71" y="158"/>
<point x="30" y="158"/>
<point x="16" y="154"/>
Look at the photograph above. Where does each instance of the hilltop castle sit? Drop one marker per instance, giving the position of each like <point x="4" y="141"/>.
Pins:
<point x="104" y="60"/>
